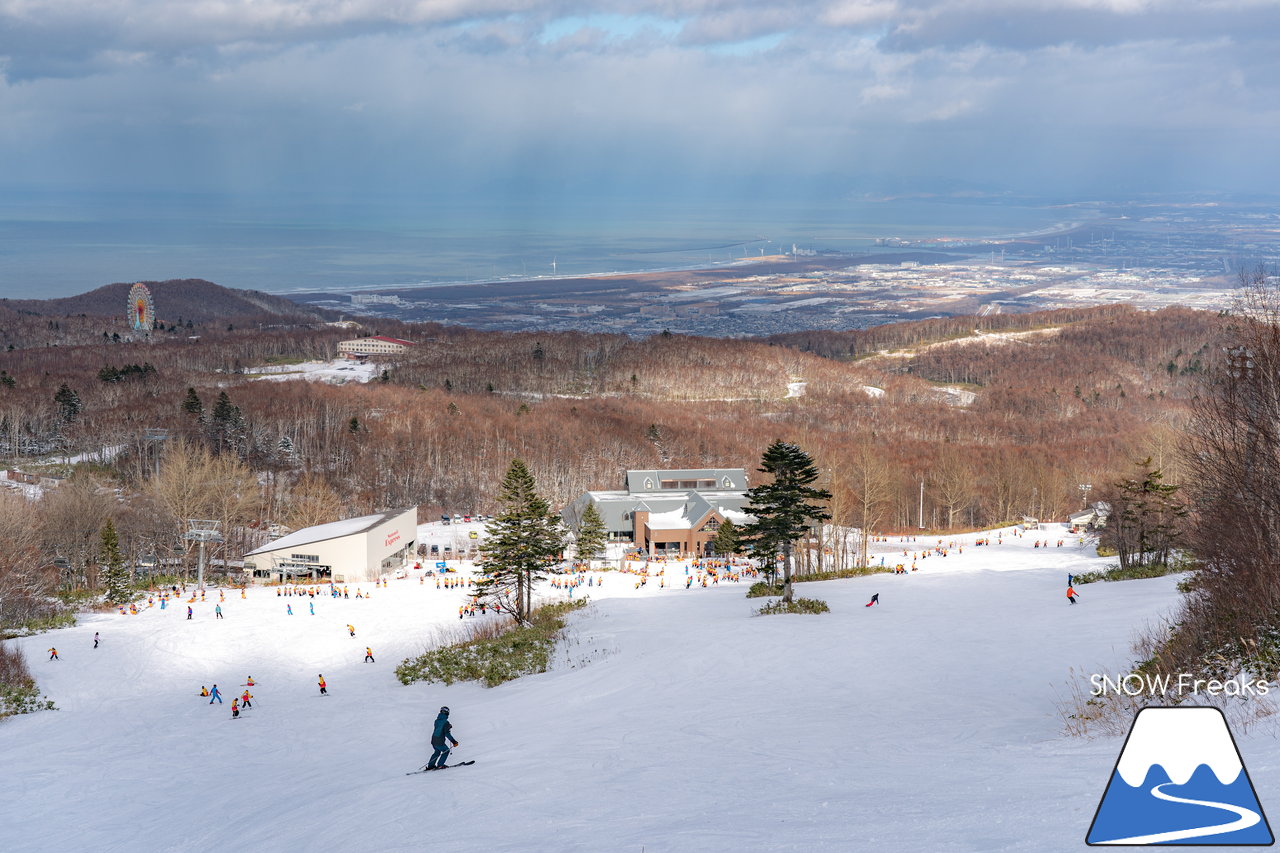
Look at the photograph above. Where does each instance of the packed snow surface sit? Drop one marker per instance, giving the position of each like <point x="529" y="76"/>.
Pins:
<point x="673" y="719"/>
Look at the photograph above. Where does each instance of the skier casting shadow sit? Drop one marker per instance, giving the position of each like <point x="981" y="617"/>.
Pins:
<point x="440" y="735"/>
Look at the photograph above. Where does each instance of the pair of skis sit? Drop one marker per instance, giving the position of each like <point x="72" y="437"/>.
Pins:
<point x="446" y="767"/>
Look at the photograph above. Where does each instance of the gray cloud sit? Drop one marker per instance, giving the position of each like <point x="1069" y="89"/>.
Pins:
<point x="241" y="96"/>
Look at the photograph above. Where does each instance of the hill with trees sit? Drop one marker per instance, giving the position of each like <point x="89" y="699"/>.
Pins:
<point x="177" y="301"/>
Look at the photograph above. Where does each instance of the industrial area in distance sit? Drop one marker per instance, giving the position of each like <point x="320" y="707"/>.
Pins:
<point x="1149" y="257"/>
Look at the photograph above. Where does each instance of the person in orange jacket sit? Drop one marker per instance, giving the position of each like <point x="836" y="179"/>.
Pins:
<point x="1071" y="594"/>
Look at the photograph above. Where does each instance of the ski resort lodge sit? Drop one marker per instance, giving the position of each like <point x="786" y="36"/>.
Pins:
<point x="353" y="550"/>
<point x="360" y="348"/>
<point x="668" y="512"/>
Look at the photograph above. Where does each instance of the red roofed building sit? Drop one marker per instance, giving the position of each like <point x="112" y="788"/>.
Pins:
<point x="376" y="345"/>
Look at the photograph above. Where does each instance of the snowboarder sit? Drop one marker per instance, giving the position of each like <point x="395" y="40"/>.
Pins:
<point x="351" y="630"/>
<point x="244" y="699"/>
<point x="188" y="612"/>
<point x="214" y="694"/>
<point x="53" y="654"/>
<point x="440" y="735"/>
<point x="323" y="691"/>
<point x="289" y="609"/>
<point x="95" y="639"/>
<point x="875" y="599"/>
<point x="368" y="655"/>
<point x="217" y="611"/>
<point x="1071" y="595"/>
<point x="312" y="605"/>
<point x="204" y="691"/>
<point x="248" y="682"/>
<point x="235" y="708"/>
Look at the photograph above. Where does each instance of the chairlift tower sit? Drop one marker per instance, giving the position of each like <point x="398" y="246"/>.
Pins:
<point x="202" y="531"/>
<point x="154" y="436"/>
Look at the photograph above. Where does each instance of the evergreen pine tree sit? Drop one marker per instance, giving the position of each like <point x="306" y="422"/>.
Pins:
<point x="192" y="405"/>
<point x="1145" y="519"/>
<point x="592" y="534"/>
<point x="68" y="403"/>
<point x="785" y="508"/>
<point x="223" y="411"/>
<point x="727" y="541"/>
<point x="114" y="576"/>
<point x="522" y="541"/>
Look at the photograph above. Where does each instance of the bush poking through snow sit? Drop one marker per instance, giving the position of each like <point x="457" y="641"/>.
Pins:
<point x="1114" y="572"/>
<point x="494" y="651"/>
<point x="800" y="605"/>
<point x="18" y="691"/>
<point x="760" y="589"/>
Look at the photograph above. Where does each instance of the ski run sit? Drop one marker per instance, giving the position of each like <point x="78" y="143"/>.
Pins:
<point x="672" y="719"/>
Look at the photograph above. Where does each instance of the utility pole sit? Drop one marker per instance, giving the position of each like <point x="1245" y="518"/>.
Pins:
<point x="921" y="518"/>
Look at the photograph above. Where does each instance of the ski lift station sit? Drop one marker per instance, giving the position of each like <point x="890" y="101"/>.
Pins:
<point x="353" y="550"/>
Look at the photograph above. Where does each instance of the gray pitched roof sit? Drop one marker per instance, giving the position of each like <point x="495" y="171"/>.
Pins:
<point x="649" y="480"/>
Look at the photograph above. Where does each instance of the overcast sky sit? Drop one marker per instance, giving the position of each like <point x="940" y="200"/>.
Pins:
<point x="1073" y="97"/>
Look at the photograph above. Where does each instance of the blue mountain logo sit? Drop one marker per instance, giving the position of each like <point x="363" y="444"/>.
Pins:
<point x="1180" y="780"/>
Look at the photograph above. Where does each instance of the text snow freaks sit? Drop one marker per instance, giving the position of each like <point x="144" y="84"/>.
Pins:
<point x="1183" y="684"/>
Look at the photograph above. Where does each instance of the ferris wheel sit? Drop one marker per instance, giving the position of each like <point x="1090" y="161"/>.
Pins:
<point x="142" y="311"/>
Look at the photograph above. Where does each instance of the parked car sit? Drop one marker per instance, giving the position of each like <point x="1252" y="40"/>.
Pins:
<point x="444" y="519"/>
<point x="467" y="519"/>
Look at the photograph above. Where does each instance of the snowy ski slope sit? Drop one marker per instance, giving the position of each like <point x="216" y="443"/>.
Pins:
<point x="674" y="721"/>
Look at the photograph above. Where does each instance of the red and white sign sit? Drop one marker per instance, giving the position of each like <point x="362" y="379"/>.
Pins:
<point x="392" y="537"/>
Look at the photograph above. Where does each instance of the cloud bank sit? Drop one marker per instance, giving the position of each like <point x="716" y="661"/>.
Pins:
<point x="508" y="96"/>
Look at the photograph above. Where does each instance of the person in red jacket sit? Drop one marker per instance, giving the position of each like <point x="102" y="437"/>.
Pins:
<point x="1071" y="594"/>
<point x="323" y="691"/>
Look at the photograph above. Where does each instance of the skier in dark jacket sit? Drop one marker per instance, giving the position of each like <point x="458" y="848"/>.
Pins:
<point x="439" y="735"/>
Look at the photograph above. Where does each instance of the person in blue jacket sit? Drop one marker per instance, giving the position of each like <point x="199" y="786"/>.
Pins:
<point x="215" y="695"/>
<point x="440" y="735"/>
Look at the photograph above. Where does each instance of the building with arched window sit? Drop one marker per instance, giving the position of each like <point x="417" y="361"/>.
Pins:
<point x="668" y="511"/>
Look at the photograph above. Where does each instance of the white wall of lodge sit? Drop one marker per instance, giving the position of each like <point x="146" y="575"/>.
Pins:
<point x="357" y="558"/>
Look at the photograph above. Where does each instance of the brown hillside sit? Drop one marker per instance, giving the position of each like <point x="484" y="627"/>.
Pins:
<point x="177" y="300"/>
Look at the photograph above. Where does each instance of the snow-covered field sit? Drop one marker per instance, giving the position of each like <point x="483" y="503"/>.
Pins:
<point x="674" y="721"/>
<point x="336" y="372"/>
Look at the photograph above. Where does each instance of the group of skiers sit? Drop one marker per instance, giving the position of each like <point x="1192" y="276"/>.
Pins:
<point x="244" y="700"/>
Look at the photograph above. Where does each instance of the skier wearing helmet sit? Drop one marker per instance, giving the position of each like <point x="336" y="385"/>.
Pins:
<point x="441" y="735"/>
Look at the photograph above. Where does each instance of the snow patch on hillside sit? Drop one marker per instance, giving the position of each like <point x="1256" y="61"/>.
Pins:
<point x="337" y="372"/>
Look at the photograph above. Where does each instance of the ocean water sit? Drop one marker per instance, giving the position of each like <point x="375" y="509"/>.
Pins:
<point x="61" y="244"/>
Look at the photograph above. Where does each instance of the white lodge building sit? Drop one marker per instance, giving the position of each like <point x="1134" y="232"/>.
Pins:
<point x="376" y="345"/>
<point x="353" y="550"/>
